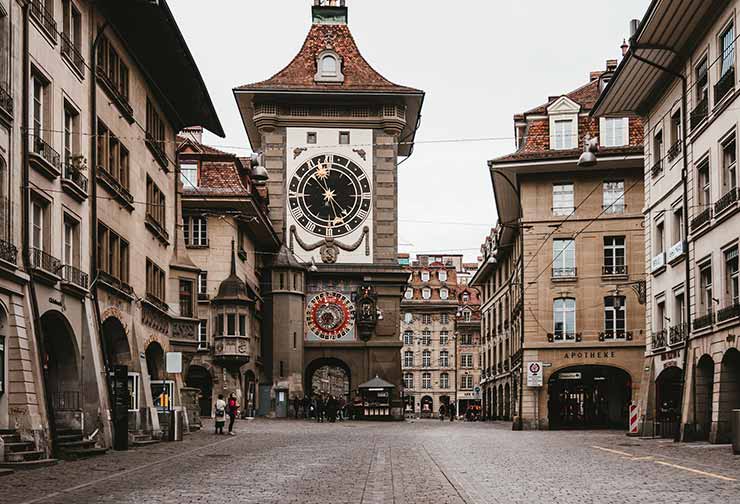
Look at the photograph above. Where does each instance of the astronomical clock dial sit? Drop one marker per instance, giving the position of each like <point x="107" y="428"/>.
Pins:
<point x="329" y="196"/>
<point x="330" y="315"/>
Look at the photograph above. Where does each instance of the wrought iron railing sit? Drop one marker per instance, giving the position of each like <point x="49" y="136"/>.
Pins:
<point x="118" y="94"/>
<point x="8" y="252"/>
<point x="728" y="312"/>
<point x="725" y="201"/>
<point x="675" y="150"/>
<point x="564" y="272"/>
<point x="75" y="56"/>
<point x="157" y="149"/>
<point x="659" y="339"/>
<point x="657" y="168"/>
<point x="701" y="219"/>
<point x="74" y="175"/>
<point x="44" y="17"/>
<point x="45" y="261"/>
<point x="700" y="112"/>
<point x="75" y="276"/>
<point x="704" y="321"/>
<point x="115" y="185"/>
<point x="724" y="85"/>
<point x="6" y="99"/>
<point x="677" y="334"/>
<point x="614" y="269"/>
<point x="46" y="151"/>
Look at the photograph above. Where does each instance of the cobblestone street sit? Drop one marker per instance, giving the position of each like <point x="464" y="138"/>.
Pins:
<point x="425" y="461"/>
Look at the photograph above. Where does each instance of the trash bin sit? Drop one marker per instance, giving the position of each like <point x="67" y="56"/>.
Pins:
<point x="736" y="431"/>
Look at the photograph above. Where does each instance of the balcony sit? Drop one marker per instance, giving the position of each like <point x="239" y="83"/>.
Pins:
<point x="657" y="263"/>
<point x="115" y="284"/>
<point x="74" y="182"/>
<point x="156" y="228"/>
<point x="729" y="312"/>
<point x="676" y="251"/>
<point x="231" y="350"/>
<point x="700" y="113"/>
<point x="44" y="18"/>
<point x="74" y="278"/>
<point x="116" y="188"/>
<point x="675" y="150"/>
<point x="659" y="340"/>
<point x="155" y="147"/>
<point x="614" y="270"/>
<point x="677" y="334"/>
<point x="73" y="55"/>
<point x="701" y="220"/>
<point x="8" y="252"/>
<point x="564" y="274"/>
<point x="6" y="102"/>
<point x="704" y="321"/>
<point x="725" y="84"/>
<point x="657" y="168"/>
<point x="45" y="265"/>
<point x="612" y="335"/>
<point x="726" y="201"/>
<point x="118" y="96"/>
<point x="44" y="158"/>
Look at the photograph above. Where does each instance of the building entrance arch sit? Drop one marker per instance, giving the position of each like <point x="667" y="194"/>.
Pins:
<point x="61" y="369"/>
<point x="250" y="393"/>
<point x="200" y="378"/>
<point x="117" y="348"/>
<point x="427" y="406"/>
<point x="729" y="393"/>
<point x="704" y="386"/>
<point x="329" y="376"/>
<point x="587" y="397"/>
<point x="668" y="401"/>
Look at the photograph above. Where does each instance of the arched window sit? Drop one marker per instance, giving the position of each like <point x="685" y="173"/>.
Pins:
<point x="329" y="66"/>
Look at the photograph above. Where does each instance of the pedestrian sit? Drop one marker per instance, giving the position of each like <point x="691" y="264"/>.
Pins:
<point x="220" y="414"/>
<point x="296" y="406"/>
<point x="232" y="409"/>
<point x="306" y="406"/>
<point x="320" y="409"/>
<point x="331" y="409"/>
<point x="452" y="412"/>
<point x="342" y="408"/>
<point x="442" y="411"/>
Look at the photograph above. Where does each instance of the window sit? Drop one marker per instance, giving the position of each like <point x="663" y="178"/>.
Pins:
<point x="728" y="50"/>
<point x="426" y="318"/>
<point x="467" y="316"/>
<point x="408" y="317"/>
<point x="444" y="293"/>
<point x="426" y="380"/>
<point x="40" y="229"/>
<point x="133" y="391"/>
<point x="444" y="318"/>
<point x="732" y="287"/>
<point x="465" y="297"/>
<point x="155" y="282"/>
<point x="155" y="204"/>
<point x="677" y="225"/>
<point x="113" y="254"/>
<point x="155" y="133"/>
<point x="71" y="134"/>
<point x="408" y="338"/>
<point x="71" y="252"/>
<point x="189" y="175"/>
<point x="426" y="358"/>
<point x="408" y="359"/>
<point x="466" y="382"/>
<point x="40" y="112"/>
<point x="466" y="339"/>
<point x="444" y="338"/>
<point x="329" y="66"/>
<point x="657" y="152"/>
<point x="614" y="131"/>
<point x="243" y="325"/>
<point x="660" y="318"/>
<point x="186" y="298"/>
<point x="311" y="137"/>
<point x="705" y="288"/>
<point x="195" y="230"/>
<point x="113" y="157"/>
<point x="659" y="246"/>
<point x="444" y="358"/>
<point x="344" y="138"/>
<point x="408" y="380"/>
<point x="614" y="254"/>
<point x="729" y="166"/>
<point x="444" y="380"/>
<point x="679" y="309"/>
<point x="562" y="199"/>
<point x="564" y="321"/>
<point x="466" y="360"/>
<point x="231" y="324"/>
<point x="203" y="284"/>
<point x="675" y="132"/>
<point x="113" y="70"/>
<point x="704" y="188"/>
<point x="702" y="81"/>
<point x="426" y="293"/>
<point x="563" y="136"/>
<point x="614" y="317"/>
<point x="442" y="275"/>
<point x="202" y="335"/>
<point x="409" y="294"/>
<point x="614" y="197"/>
<point x="426" y="337"/>
<point x="424" y="276"/>
<point x="564" y="258"/>
<point x="72" y="34"/>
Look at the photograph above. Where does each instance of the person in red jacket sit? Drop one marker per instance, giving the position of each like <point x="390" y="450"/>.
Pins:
<point x="232" y="409"/>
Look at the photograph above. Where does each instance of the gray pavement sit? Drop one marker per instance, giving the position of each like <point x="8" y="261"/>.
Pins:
<point x="415" y="462"/>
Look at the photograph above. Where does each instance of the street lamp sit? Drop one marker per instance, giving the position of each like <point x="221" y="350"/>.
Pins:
<point x="590" y="148"/>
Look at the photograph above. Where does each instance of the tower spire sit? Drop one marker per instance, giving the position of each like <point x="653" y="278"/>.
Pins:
<point x="329" y="12"/>
<point x="233" y="260"/>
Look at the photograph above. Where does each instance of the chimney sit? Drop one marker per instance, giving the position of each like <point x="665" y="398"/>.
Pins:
<point x="634" y="25"/>
<point x="194" y="133"/>
<point x="594" y="75"/>
<point x="625" y="47"/>
<point x="611" y="65"/>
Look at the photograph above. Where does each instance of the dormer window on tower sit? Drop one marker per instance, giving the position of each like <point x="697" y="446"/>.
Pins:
<point x="329" y="67"/>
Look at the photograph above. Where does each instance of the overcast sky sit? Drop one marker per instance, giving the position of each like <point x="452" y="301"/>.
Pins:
<point x="479" y="62"/>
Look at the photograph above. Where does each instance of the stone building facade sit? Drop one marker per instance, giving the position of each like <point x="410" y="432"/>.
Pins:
<point x="93" y="278"/>
<point x="582" y="318"/>
<point x="692" y="367"/>
<point x="468" y="355"/>
<point x="328" y="126"/>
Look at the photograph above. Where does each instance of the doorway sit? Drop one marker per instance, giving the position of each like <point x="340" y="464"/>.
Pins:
<point x="198" y="377"/>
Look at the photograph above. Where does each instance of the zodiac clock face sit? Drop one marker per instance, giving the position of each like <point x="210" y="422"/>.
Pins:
<point x="330" y="316"/>
<point x="329" y="196"/>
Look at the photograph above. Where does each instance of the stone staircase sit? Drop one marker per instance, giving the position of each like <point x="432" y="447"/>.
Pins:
<point x="21" y="454"/>
<point x="72" y="445"/>
<point x="140" y="439"/>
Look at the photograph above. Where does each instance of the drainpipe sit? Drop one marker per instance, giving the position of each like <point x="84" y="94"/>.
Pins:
<point x="684" y="176"/>
<point x="26" y="245"/>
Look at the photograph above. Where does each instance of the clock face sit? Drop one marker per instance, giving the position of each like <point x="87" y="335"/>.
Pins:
<point x="329" y="195"/>
<point x="330" y="315"/>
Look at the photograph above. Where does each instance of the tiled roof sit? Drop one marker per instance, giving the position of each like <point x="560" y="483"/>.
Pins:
<point x="218" y="178"/>
<point x="546" y="155"/>
<point x="205" y="149"/>
<point x="300" y="73"/>
<point x="585" y="96"/>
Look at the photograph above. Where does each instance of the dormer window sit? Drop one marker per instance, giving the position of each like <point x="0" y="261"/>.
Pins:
<point x="424" y="276"/>
<point x="563" y="113"/>
<point x="329" y="67"/>
<point x="563" y="134"/>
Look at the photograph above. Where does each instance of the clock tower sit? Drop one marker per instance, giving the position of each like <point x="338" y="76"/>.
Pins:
<point x="331" y="129"/>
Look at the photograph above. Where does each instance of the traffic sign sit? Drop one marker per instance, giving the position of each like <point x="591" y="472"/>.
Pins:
<point x="535" y="374"/>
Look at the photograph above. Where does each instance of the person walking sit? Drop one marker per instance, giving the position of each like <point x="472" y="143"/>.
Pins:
<point x="306" y="406"/>
<point x="220" y="414"/>
<point x="232" y="409"/>
<point x="452" y="412"/>
<point x="320" y="409"/>
<point x="296" y="406"/>
<point x="442" y="411"/>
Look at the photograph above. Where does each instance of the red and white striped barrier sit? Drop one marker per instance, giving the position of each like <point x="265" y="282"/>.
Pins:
<point x="633" y="419"/>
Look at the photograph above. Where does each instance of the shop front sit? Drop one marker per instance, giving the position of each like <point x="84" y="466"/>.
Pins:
<point x="376" y="399"/>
